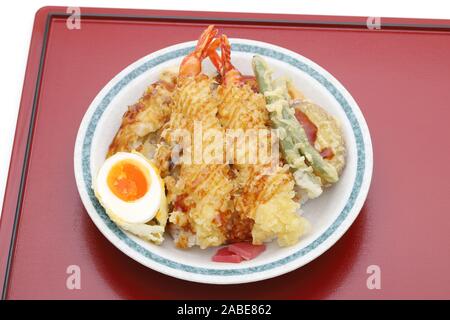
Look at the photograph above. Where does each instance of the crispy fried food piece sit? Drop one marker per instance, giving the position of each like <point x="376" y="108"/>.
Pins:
<point x="146" y="116"/>
<point x="242" y="108"/>
<point x="329" y="132"/>
<point x="263" y="193"/>
<point x="268" y="201"/>
<point x="295" y="143"/>
<point x="202" y="191"/>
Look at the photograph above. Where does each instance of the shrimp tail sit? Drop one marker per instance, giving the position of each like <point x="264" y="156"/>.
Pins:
<point x="192" y="63"/>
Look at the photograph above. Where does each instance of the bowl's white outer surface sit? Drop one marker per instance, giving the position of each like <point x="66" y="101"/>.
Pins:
<point x="195" y="264"/>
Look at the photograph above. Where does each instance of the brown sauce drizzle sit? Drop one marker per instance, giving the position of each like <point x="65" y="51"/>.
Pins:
<point x="235" y="228"/>
<point x="179" y="204"/>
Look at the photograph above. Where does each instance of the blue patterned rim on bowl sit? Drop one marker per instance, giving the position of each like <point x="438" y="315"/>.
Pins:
<point x="240" y="47"/>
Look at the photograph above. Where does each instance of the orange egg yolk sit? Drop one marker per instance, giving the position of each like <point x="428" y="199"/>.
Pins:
<point x="127" y="181"/>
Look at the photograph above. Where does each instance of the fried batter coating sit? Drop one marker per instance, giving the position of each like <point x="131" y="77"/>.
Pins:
<point x="329" y="133"/>
<point x="242" y="108"/>
<point x="261" y="195"/>
<point x="202" y="190"/>
<point x="268" y="200"/>
<point x="146" y="116"/>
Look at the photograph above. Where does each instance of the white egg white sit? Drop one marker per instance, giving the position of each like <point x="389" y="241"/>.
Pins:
<point x="141" y="210"/>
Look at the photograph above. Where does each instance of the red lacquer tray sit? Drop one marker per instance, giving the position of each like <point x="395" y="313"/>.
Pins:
<point x="399" y="75"/>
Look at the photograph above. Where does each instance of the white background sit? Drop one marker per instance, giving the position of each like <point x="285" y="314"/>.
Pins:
<point x="17" y="18"/>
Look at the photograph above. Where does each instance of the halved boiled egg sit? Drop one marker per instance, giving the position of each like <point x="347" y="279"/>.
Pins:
<point x="129" y="188"/>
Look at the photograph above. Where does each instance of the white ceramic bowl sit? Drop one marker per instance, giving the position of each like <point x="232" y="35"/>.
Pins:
<point x="330" y="215"/>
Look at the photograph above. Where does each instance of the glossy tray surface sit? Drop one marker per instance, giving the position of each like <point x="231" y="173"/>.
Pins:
<point x="399" y="76"/>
